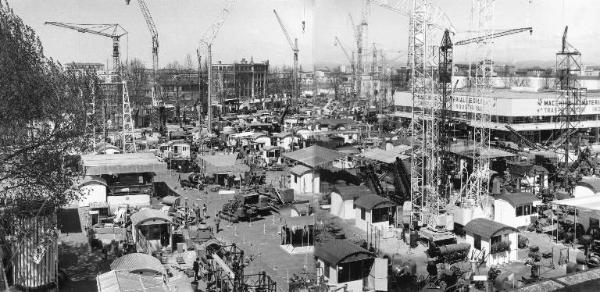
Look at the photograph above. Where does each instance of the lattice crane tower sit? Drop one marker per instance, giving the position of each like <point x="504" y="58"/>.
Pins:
<point x="478" y="182"/>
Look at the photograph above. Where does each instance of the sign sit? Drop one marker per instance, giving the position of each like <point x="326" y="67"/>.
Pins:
<point x="480" y="277"/>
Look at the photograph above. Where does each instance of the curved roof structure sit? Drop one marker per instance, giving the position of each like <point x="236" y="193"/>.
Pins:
<point x="487" y="228"/>
<point x="137" y="262"/>
<point x="370" y="201"/>
<point x="337" y="251"/>
<point x="518" y="199"/>
<point x="149" y="216"/>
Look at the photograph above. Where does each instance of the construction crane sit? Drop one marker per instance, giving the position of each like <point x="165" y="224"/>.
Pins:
<point x="207" y="40"/>
<point x="494" y="35"/>
<point x="156" y="92"/>
<point x="350" y="59"/>
<point x="295" y="51"/>
<point x="359" y="54"/>
<point x="571" y="96"/>
<point x="113" y="31"/>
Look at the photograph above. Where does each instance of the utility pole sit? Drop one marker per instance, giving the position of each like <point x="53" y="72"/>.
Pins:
<point x="199" y="102"/>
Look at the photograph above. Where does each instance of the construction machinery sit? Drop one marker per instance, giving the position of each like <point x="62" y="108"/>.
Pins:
<point x="207" y="40"/>
<point x="295" y="51"/>
<point x="351" y="61"/>
<point x="158" y="117"/>
<point x="113" y="31"/>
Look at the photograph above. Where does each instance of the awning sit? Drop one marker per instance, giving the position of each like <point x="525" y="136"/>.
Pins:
<point x="98" y="164"/>
<point x="121" y="281"/>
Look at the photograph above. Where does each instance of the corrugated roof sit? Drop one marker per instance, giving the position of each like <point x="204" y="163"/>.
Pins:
<point x="518" y="199"/>
<point x="137" y="262"/>
<point x="98" y="164"/>
<point x="370" y="201"/>
<point x="314" y="156"/>
<point x="147" y="214"/>
<point x="300" y="169"/>
<point x="349" y="192"/>
<point x="123" y="281"/>
<point x="487" y="228"/>
<point x="337" y="251"/>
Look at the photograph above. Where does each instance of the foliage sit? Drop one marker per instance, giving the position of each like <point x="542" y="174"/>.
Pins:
<point x="500" y="246"/>
<point x="42" y="120"/>
<point x="523" y="241"/>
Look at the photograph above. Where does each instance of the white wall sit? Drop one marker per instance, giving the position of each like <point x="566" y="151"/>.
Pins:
<point x="342" y="208"/>
<point x="307" y="183"/>
<point x="362" y="224"/>
<point x="92" y="193"/>
<point x="505" y="213"/>
<point x="496" y="259"/>
<point x="264" y="140"/>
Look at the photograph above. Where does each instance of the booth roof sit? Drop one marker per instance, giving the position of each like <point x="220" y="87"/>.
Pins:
<point x="487" y="228"/>
<point x="350" y="192"/>
<point x="370" y="201"/>
<point x="518" y="199"/>
<point x="314" y="156"/>
<point x="149" y="214"/>
<point x="299" y="169"/>
<point x="98" y="164"/>
<point x="117" y="281"/>
<point x="137" y="261"/>
<point x="337" y="251"/>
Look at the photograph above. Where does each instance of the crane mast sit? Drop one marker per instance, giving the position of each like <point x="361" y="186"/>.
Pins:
<point x="207" y="41"/>
<point x="295" y="50"/>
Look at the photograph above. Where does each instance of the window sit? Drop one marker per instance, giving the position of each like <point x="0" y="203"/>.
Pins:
<point x="519" y="211"/>
<point x="380" y="215"/>
<point x="295" y="179"/>
<point x="477" y="242"/>
<point x="354" y="270"/>
<point x="326" y="270"/>
<point x="362" y="213"/>
<point x="496" y="239"/>
<point x="527" y="210"/>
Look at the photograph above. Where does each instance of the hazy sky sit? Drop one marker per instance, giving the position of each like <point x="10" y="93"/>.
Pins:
<point x="251" y="29"/>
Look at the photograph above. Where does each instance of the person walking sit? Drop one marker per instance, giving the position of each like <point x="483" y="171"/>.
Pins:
<point x="217" y="222"/>
<point x="196" y="268"/>
<point x="204" y="211"/>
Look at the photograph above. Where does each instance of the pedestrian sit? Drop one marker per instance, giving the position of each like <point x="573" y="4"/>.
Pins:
<point x="196" y="268"/>
<point x="217" y="221"/>
<point x="179" y="178"/>
<point x="204" y="210"/>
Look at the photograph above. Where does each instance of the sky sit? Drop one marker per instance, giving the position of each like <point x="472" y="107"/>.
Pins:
<point x="252" y="31"/>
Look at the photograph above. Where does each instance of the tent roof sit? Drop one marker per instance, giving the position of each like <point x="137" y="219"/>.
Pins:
<point x="487" y="228"/>
<point x="299" y="221"/>
<point x="337" y="251"/>
<point x="314" y="156"/>
<point x="518" y="199"/>
<point x="587" y="202"/>
<point x="137" y="261"/>
<point x="121" y="281"/>
<point x="370" y="201"/>
<point x="147" y="214"/>
<point x="96" y="164"/>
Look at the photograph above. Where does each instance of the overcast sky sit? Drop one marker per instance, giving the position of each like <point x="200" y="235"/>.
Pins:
<point x="251" y="29"/>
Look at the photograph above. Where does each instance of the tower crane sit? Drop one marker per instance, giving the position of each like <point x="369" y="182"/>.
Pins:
<point x="156" y="92"/>
<point x="359" y="53"/>
<point x="494" y="35"/>
<point x="113" y="31"/>
<point x="207" y="40"/>
<point x="350" y="59"/>
<point x="295" y="50"/>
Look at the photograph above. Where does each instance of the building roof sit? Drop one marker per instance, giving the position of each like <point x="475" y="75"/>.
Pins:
<point x="518" y="199"/>
<point x="469" y="151"/>
<point x="350" y="192"/>
<point x="149" y="216"/>
<point x="282" y="134"/>
<point x="300" y="169"/>
<point x="593" y="183"/>
<point x="96" y="164"/>
<point x="136" y="262"/>
<point x="219" y="160"/>
<point x="385" y="156"/>
<point x="525" y="168"/>
<point x="123" y="281"/>
<point x="93" y="179"/>
<point x="371" y="201"/>
<point x="314" y="156"/>
<point x="337" y="251"/>
<point x="334" y="122"/>
<point x="586" y="202"/>
<point x="487" y="228"/>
